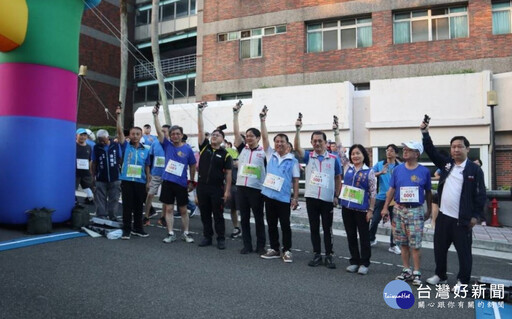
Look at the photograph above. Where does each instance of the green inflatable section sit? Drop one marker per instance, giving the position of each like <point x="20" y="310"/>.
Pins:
<point x="52" y="36"/>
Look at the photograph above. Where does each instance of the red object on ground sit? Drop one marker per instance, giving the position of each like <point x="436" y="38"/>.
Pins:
<point x="494" y="218"/>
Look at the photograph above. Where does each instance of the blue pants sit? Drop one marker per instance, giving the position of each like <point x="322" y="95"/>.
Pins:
<point x="379" y="204"/>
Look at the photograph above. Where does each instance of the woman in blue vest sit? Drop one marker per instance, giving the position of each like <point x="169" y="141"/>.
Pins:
<point x="358" y="201"/>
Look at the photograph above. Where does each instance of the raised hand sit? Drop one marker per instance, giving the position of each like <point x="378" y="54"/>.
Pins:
<point x="201" y="106"/>
<point x="298" y="123"/>
<point x="237" y="107"/>
<point x="263" y="113"/>
<point x="156" y="109"/>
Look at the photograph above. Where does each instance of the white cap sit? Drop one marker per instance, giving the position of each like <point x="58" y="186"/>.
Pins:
<point x="102" y="133"/>
<point x="414" y="146"/>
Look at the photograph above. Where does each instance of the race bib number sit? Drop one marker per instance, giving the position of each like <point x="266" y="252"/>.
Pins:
<point x="82" y="163"/>
<point x="174" y="168"/>
<point x="249" y="170"/>
<point x="134" y="171"/>
<point x="352" y="194"/>
<point x="273" y="182"/>
<point x="409" y="194"/>
<point x="319" y="179"/>
<point x="159" y="161"/>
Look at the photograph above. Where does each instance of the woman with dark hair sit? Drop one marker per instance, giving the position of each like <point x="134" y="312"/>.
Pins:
<point x="358" y="202"/>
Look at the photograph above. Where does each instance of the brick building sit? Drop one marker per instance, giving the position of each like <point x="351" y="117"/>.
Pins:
<point x="100" y="52"/>
<point x="248" y="45"/>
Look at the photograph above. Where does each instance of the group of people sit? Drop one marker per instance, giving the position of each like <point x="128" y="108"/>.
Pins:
<point x="267" y="184"/>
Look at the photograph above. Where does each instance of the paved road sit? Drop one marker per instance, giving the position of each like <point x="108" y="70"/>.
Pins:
<point x="144" y="278"/>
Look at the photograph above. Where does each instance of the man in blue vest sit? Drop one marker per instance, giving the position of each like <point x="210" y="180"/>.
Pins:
<point x="323" y="186"/>
<point x="282" y="174"/>
<point x="106" y="162"/>
<point x="135" y="177"/>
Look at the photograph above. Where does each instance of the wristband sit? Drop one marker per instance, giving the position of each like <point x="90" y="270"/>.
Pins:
<point x="192" y="182"/>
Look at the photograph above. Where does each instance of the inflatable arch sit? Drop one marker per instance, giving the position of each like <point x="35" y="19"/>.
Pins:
<point x="38" y="95"/>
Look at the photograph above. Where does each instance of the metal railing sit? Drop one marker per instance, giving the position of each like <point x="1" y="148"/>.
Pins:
<point x="169" y="66"/>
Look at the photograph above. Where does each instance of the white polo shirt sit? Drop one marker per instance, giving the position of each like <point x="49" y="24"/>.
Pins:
<point x="450" y="201"/>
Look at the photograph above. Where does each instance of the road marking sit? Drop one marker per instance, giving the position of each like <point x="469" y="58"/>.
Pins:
<point x="24" y="242"/>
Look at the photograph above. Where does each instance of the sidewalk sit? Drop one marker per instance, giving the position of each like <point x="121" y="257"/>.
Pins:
<point x="485" y="237"/>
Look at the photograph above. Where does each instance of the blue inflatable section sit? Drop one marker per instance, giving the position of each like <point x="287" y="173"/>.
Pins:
<point x="37" y="167"/>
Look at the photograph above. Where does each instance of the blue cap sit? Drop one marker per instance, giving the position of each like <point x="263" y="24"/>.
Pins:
<point x="81" y="131"/>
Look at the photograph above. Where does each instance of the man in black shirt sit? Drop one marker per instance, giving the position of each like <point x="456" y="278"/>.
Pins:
<point x="83" y="176"/>
<point x="214" y="180"/>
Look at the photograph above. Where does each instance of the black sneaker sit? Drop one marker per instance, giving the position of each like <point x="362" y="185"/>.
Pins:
<point x="260" y="251"/>
<point x="140" y="233"/>
<point x="236" y="232"/>
<point x="329" y="263"/>
<point x="317" y="260"/>
<point x="221" y="244"/>
<point x="245" y="251"/>
<point x="126" y="235"/>
<point x="205" y="242"/>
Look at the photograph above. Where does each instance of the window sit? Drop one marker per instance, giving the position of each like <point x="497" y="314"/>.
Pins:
<point x="250" y="44"/>
<point x="430" y="25"/>
<point x="501" y="17"/>
<point x="234" y="96"/>
<point x="251" y="40"/>
<point x="169" y="10"/>
<point x="339" y="34"/>
<point x="142" y="17"/>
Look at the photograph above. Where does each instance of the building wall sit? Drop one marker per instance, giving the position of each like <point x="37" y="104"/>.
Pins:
<point x="100" y="52"/>
<point x="285" y="60"/>
<point x="385" y="114"/>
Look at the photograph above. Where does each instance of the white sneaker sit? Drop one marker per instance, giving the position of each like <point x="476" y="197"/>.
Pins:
<point x="170" y="238"/>
<point x="373" y="242"/>
<point x="352" y="268"/>
<point x="187" y="238"/>
<point x="435" y="280"/>
<point x="395" y="250"/>
<point x="287" y="257"/>
<point x="363" y="270"/>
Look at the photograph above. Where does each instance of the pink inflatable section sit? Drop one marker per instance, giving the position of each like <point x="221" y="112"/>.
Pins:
<point x="55" y="98"/>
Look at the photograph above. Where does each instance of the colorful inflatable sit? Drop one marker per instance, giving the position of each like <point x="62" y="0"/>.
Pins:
<point x="38" y="95"/>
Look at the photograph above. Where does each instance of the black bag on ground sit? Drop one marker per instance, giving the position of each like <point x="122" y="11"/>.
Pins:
<point x="79" y="217"/>
<point x="39" y="221"/>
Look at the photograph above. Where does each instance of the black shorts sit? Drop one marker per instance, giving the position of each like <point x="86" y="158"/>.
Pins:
<point x="435" y="199"/>
<point x="84" y="181"/>
<point x="172" y="191"/>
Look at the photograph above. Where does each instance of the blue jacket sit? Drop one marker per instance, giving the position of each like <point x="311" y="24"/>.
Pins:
<point x="473" y="195"/>
<point x="359" y="179"/>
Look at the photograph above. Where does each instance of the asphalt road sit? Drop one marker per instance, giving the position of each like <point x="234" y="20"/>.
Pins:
<point x="145" y="278"/>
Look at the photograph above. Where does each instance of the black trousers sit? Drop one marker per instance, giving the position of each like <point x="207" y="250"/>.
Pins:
<point x="320" y="209"/>
<point x="247" y="198"/>
<point x="211" y="203"/>
<point x="277" y="211"/>
<point x="447" y="232"/>
<point x="133" y="195"/>
<point x="355" y="222"/>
